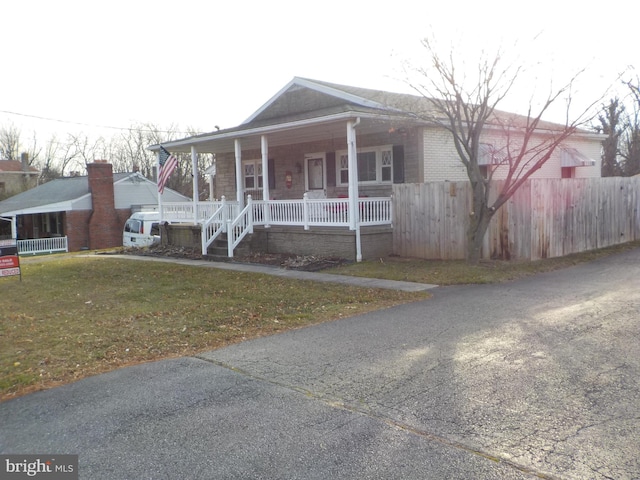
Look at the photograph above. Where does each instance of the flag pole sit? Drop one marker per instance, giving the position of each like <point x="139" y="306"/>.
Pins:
<point x="159" y="194"/>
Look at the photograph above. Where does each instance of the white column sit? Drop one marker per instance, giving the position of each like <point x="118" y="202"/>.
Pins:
<point x="196" y="194"/>
<point x="264" y="146"/>
<point x="239" y="175"/>
<point x="352" y="153"/>
<point x="354" y="214"/>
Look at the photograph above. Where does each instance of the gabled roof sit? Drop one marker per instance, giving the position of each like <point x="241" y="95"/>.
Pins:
<point x="56" y="191"/>
<point x="61" y="194"/>
<point x="15" y="166"/>
<point x="304" y="104"/>
<point x="302" y="95"/>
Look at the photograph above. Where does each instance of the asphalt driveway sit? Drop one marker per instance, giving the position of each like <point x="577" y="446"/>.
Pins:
<point x="535" y="378"/>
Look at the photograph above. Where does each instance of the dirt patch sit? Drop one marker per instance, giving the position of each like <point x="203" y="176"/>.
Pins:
<point x="307" y="263"/>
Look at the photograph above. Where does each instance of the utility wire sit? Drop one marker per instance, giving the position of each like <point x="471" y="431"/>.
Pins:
<point x="95" y="126"/>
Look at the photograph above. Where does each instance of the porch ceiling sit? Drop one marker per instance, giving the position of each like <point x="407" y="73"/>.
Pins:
<point x="286" y="134"/>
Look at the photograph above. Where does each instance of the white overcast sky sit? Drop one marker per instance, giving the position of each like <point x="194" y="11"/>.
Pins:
<point x="213" y="62"/>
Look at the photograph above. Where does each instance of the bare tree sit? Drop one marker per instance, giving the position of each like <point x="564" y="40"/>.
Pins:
<point x="468" y="110"/>
<point x="58" y="158"/>
<point x="86" y="150"/>
<point x="630" y="151"/>
<point x="12" y="147"/>
<point x="127" y="151"/>
<point x="9" y="142"/>
<point x="620" y="121"/>
<point x="611" y="124"/>
<point x="48" y="169"/>
<point x="132" y="150"/>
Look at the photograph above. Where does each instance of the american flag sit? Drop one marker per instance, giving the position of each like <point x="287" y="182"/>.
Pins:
<point x="168" y="164"/>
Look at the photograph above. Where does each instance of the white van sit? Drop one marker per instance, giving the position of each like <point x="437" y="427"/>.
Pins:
<point x="142" y="229"/>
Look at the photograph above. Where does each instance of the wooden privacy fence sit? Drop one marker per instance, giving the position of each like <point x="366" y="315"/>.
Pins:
<point x="545" y="218"/>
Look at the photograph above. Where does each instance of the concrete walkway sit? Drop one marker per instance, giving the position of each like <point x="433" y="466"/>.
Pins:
<point x="294" y="274"/>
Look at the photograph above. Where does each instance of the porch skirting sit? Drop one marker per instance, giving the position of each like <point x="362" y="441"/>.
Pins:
<point x="376" y="241"/>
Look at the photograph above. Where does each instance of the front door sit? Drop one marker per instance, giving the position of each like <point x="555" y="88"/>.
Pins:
<point x="315" y="174"/>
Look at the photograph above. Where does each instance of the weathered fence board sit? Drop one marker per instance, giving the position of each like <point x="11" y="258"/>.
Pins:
<point x="544" y="219"/>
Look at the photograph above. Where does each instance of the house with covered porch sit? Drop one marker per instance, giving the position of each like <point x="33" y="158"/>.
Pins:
<point x="79" y="212"/>
<point x="312" y="170"/>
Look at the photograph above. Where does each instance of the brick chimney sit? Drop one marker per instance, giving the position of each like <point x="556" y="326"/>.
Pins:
<point x="105" y="230"/>
<point x="24" y="161"/>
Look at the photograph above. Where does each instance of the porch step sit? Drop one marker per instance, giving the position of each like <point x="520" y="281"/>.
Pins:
<point x="218" y="250"/>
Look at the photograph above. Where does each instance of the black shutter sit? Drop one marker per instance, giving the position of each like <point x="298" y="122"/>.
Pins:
<point x="331" y="169"/>
<point x="272" y="174"/>
<point x="398" y="164"/>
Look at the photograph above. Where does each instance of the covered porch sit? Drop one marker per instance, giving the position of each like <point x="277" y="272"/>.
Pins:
<point x="329" y="172"/>
<point x="215" y="218"/>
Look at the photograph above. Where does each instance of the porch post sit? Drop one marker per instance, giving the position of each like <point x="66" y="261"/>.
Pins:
<point x="239" y="176"/>
<point x="12" y="222"/>
<point x="352" y="153"/>
<point x="264" y="146"/>
<point x="196" y="195"/>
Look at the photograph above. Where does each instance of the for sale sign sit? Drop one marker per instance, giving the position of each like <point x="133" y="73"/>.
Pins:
<point x="9" y="261"/>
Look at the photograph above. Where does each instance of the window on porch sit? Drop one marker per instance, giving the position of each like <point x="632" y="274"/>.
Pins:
<point x="252" y="172"/>
<point x="375" y="165"/>
<point x="51" y="224"/>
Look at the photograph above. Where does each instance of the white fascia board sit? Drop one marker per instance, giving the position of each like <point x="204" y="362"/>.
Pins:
<point x="271" y="100"/>
<point x="18" y="172"/>
<point x="542" y="131"/>
<point x="280" y="127"/>
<point x="335" y="92"/>
<point x="52" y="207"/>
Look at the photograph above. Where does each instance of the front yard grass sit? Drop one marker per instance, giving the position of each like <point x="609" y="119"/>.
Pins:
<point x="458" y="272"/>
<point x="75" y="316"/>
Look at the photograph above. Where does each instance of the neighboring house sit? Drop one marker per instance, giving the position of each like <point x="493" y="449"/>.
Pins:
<point x="89" y="210"/>
<point x="317" y="154"/>
<point x="17" y="176"/>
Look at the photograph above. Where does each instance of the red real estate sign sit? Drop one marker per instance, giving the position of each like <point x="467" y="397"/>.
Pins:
<point x="9" y="261"/>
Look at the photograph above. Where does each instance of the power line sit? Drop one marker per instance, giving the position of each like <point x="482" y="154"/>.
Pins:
<point x="95" y="126"/>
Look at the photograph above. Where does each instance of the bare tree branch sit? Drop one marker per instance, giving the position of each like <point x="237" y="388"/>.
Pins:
<point x="467" y="108"/>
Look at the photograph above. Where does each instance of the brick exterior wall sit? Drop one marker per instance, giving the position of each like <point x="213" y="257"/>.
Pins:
<point x="376" y="242"/>
<point x="181" y="235"/>
<point x="290" y="158"/>
<point x="76" y="229"/>
<point x="105" y="226"/>
<point x="441" y="161"/>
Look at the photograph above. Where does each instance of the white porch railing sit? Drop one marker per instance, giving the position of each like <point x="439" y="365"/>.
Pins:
<point x="36" y="246"/>
<point x="184" y="211"/>
<point x="375" y="211"/>
<point x="217" y="223"/>
<point x="239" y="228"/>
<point x="329" y="212"/>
